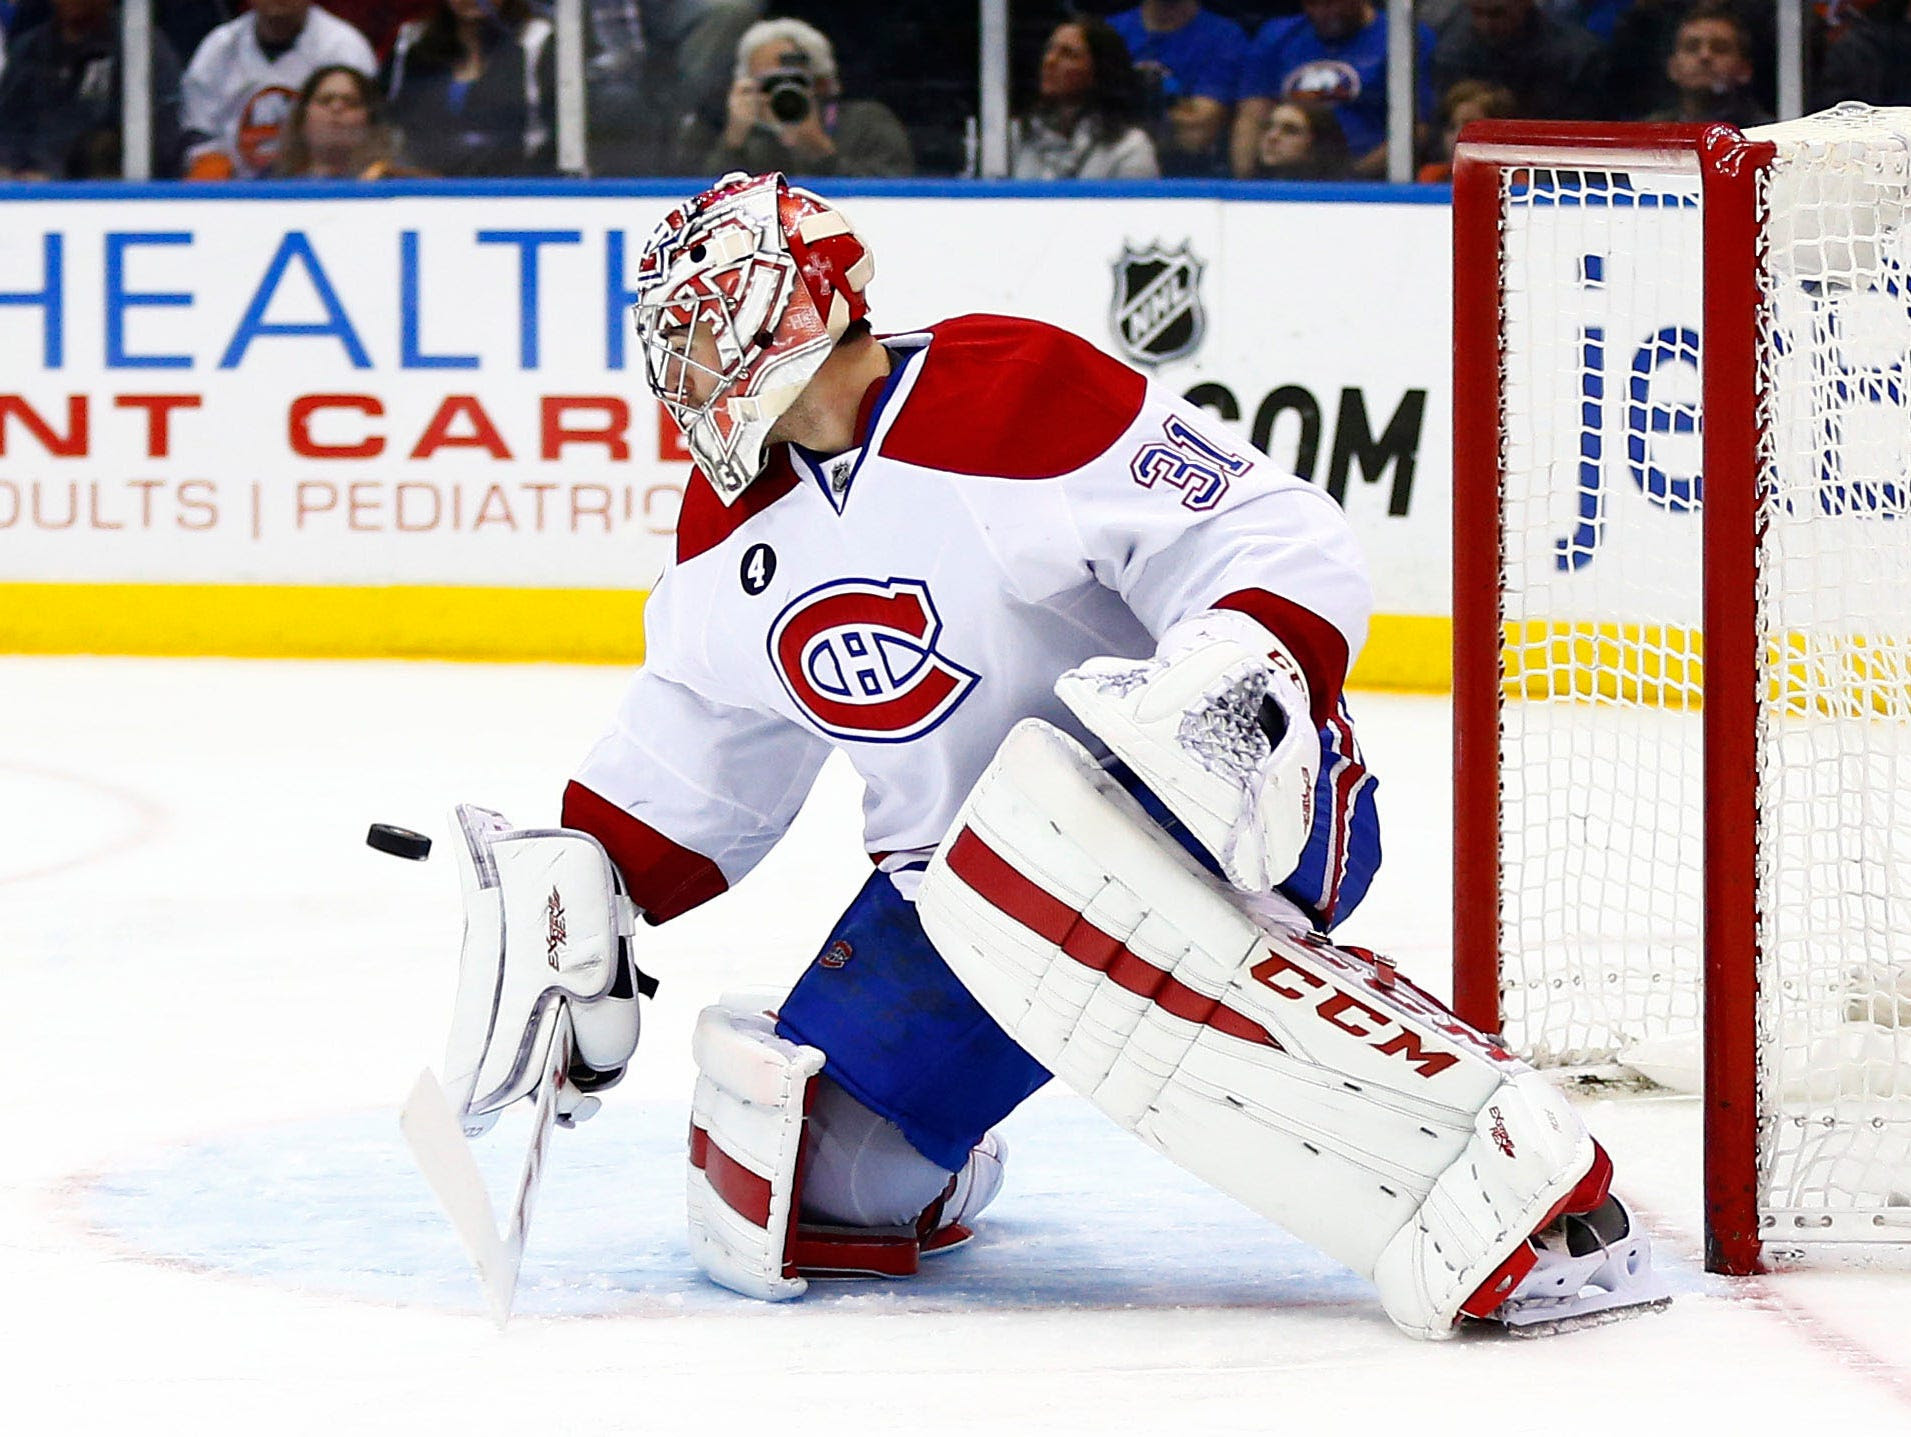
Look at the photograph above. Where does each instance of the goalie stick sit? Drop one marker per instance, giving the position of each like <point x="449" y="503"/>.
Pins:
<point x="440" y="1148"/>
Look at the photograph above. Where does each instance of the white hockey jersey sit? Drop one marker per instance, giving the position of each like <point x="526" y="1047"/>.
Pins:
<point x="234" y="100"/>
<point x="1020" y="502"/>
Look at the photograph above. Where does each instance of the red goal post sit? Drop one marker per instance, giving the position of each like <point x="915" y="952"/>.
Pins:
<point x="1650" y="771"/>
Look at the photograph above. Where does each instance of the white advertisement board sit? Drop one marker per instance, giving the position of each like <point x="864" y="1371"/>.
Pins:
<point x="391" y="387"/>
<point x="1601" y="372"/>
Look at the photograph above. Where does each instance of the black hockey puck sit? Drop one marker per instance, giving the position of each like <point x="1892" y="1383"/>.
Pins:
<point x="401" y="842"/>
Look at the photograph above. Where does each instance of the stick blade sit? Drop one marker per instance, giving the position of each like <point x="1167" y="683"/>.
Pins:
<point x="443" y="1155"/>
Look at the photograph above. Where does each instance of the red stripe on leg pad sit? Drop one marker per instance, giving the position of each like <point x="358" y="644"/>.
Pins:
<point x="744" y="1192"/>
<point x="1048" y="917"/>
<point x="1497" y="1288"/>
<point x="989" y="874"/>
<point x="821" y="1249"/>
<point x="1091" y="947"/>
<point x="1142" y="978"/>
<point x="1589" y="1192"/>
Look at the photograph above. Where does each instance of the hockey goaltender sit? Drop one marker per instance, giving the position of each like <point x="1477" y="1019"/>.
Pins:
<point x="1087" y="653"/>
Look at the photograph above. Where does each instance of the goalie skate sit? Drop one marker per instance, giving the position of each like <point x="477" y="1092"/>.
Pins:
<point x="1590" y="1269"/>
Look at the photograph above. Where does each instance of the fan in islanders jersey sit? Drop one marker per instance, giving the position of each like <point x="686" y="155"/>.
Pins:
<point x="1087" y="653"/>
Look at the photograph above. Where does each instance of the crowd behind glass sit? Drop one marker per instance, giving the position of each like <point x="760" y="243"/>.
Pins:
<point x="1276" y="89"/>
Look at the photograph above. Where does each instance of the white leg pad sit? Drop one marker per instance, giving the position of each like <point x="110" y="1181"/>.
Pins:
<point x="746" y="1140"/>
<point x="760" y="1121"/>
<point x="1527" y="1154"/>
<point x="1307" y="1081"/>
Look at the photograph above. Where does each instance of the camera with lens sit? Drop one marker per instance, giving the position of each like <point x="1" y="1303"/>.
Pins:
<point x="788" y="90"/>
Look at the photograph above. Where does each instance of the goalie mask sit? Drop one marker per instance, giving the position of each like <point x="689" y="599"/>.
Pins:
<point x="741" y="294"/>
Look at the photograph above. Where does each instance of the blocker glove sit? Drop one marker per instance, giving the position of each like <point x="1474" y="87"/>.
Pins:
<point x="1218" y="725"/>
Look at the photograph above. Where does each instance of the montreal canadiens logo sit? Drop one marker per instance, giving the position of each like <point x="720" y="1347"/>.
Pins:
<point x="859" y="658"/>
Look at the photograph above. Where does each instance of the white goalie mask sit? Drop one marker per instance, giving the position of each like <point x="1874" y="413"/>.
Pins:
<point x="742" y="293"/>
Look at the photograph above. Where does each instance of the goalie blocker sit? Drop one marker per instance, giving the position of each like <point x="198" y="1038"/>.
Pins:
<point x="1309" y="1081"/>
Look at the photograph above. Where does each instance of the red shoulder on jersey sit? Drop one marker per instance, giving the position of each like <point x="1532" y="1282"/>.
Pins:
<point x="664" y="878"/>
<point x="1014" y="399"/>
<point x="706" y="521"/>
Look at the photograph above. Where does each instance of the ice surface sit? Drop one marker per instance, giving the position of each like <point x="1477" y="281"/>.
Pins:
<point x="213" y="998"/>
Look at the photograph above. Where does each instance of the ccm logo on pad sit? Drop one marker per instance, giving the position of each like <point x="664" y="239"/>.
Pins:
<point x="1350" y="1015"/>
<point x="859" y="658"/>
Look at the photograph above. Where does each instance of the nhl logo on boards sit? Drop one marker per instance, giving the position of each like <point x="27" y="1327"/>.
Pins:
<point x="1157" y="314"/>
<point x="859" y="659"/>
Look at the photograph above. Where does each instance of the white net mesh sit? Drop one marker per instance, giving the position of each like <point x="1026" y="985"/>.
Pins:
<point x="1834" y="597"/>
<point x="1600" y="752"/>
<point x="1602" y="807"/>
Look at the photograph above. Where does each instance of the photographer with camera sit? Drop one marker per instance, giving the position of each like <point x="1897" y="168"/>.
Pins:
<point x="785" y="114"/>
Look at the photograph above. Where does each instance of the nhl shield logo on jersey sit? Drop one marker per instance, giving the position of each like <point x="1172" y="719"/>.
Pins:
<point x="859" y="659"/>
<point x="1157" y="314"/>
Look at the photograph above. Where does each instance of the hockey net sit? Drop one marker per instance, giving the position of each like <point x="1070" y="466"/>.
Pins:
<point x="1684" y="703"/>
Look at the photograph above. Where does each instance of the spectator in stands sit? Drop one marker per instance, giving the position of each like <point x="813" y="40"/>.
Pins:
<point x="1636" y="79"/>
<point x="1597" y="17"/>
<point x="786" y="112"/>
<point x="379" y="21"/>
<point x="1826" y="19"/>
<point x="1869" y="59"/>
<point x="1189" y="63"/>
<point x="472" y="89"/>
<point x="1302" y="141"/>
<point x="622" y="129"/>
<point x="337" y="130"/>
<point x="1711" y="69"/>
<point x="1556" y="71"/>
<point x="923" y="61"/>
<point x="1460" y="106"/>
<point x="1333" y="53"/>
<point x="60" y="98"/>
<point x="184" y="23"/>
<point x="245" y="75"/>
<point x="1083" y="124"/>
<point x="650" y="64"/>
